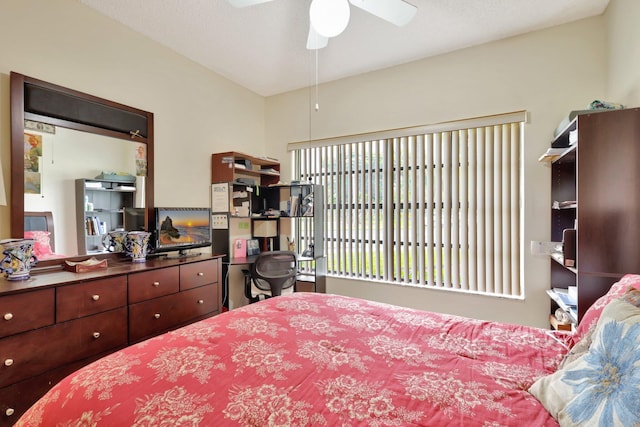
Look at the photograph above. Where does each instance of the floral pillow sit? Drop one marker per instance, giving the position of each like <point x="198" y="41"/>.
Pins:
<point x="42" y="245"/>
<point x="632" y="297"/>
<point x="602" y="387"/>
<point x="590" y="318"/>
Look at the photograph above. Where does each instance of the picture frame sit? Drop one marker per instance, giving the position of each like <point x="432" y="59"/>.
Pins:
<point x="253" y="247"/>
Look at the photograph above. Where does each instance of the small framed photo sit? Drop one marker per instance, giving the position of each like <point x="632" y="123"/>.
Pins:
<point x="253" y="247"/>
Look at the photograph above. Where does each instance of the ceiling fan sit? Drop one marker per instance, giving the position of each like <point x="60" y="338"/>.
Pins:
<point x="328" y="18"/>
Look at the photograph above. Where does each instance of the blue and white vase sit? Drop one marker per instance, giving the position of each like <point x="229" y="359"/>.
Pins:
<point x="18" y="258"/>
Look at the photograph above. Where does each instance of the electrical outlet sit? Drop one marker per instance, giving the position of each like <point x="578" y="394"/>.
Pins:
<point x="544" y="248"/>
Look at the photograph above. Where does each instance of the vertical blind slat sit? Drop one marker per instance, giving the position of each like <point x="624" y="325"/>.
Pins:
<point x="514" y="204"/>
<point x="378" y="209"/>
<point x="429" y="211"/>
<point x="464" y="210"/>
<point x="413" y="198"/>
<point x="404" y="189"/>
<point x="505" y="190"/>
<point x="437" y="201"/>
<point x="420" y="224"/>
<point x="455" y="210"/>
<point x="473" y="211"/>
<point x="446" y="209"/>
<point x="397" y="214"/>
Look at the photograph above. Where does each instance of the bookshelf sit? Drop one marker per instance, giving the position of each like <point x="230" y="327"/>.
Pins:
<point x="100" y="207"/>
<point x="593" y="191"/>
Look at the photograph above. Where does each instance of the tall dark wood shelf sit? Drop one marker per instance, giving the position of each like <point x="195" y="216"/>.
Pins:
<point x="597" y="173"/>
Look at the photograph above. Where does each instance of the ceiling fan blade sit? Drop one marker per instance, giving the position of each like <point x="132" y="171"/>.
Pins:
<point x="315" y="40"/>
<point x="398" y="12"/>
<point x="245" y="3"/>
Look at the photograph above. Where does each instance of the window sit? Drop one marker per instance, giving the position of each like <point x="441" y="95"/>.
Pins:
<point x="435" y="206"/>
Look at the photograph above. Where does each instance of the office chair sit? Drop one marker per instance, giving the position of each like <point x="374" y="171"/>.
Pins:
<point x="271" y="273"/>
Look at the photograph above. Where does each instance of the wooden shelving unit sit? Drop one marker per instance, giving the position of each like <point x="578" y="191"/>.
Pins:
<point x="250" y="190"/>
<point x="231" y="166"/>
<point x="594" y="190"/>
<point x="109" y="200"/>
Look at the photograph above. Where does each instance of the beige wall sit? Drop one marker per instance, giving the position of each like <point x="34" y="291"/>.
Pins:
<point x="547" y="73"/>
<point x="196" y="111"/>
<point x="623" y="48"/>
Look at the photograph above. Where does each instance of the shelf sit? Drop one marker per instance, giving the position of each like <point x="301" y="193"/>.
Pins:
<point x="568" y="204"/>
<point x="560" y="326"/>
<point x="559" y="258"/>
<point x="553" y="154"/>
<point x="255" y="172"/>
<point x="561" y="299"/>
<point x="107" y="211"/>
<point x="112" y="190"/>
<point x="231" y="165"/>
<point x="306" y="278"/>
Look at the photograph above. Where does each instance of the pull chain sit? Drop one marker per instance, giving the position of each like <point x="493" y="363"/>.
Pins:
<point x="317" y="106"/>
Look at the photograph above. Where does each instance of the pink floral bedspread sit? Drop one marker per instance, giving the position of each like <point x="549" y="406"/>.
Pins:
<point x="314" y="360"/>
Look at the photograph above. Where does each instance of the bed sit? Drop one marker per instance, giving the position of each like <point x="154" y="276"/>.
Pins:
<point x="317" y="359"/>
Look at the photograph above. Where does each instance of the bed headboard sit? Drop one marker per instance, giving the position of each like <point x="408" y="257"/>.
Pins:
<point x="41" y="221"/>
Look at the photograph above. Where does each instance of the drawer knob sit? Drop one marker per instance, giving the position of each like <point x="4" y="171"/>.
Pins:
<point x="156" y="284"/>
<point x="200" y="301"/>
<point x="157" y="315"/>
<point x="9" y="412"/>
<point x="200" y="274"/>
<point x="96" y="335"/>
<point x="95" y="297"/>
<point x="8" y="362"/>
<point x="8" y="316"/>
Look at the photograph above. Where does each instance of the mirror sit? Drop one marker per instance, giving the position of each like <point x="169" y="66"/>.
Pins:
<point x="72" y="135"/>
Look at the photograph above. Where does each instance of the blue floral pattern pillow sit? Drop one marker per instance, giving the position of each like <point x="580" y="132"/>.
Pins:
<point x="602" y="387"/>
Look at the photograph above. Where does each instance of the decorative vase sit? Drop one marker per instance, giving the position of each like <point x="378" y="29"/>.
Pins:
<point x="137" y="245"/>
<point x="18" y="258"/>
<point x="114" y="241"/>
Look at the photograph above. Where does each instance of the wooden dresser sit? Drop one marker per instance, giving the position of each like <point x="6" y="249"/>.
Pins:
<point x="57" y="322"/>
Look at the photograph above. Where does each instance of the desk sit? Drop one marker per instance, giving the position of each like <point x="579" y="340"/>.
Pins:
<point x="226" y="265"/>
<point x="308" y="278"/>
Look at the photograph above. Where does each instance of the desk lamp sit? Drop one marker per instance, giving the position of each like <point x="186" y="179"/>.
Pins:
<point x="267" y="229"/>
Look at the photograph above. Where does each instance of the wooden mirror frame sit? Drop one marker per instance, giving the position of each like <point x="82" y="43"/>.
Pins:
<point x="106" y="118"/>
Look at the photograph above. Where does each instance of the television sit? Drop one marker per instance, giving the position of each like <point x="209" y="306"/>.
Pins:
<point x="181" y="229"/>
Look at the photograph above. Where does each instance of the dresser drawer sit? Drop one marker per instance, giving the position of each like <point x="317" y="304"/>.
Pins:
<point x="31" y="353"/>
<point x="17" y="398"/>
<point x="93" y="297"/>
<point x="153" y="284"/>
<point x="26" y="311"/>
<point x="198" y="274"/>
<point x="159" y="315"/>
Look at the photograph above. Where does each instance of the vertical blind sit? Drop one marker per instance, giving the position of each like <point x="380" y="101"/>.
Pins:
<point x="435" y="206"/>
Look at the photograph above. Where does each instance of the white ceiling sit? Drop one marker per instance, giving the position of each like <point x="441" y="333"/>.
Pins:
<point x="262" y="47"/>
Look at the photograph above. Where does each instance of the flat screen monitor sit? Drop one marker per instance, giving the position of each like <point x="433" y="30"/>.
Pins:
<point x="181" y="229"/>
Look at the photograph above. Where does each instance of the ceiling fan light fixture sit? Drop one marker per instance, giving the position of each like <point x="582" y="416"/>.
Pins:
<point x="329" y="17"/>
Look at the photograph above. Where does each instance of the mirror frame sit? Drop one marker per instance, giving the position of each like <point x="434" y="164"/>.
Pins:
<point x="18" y="85"/>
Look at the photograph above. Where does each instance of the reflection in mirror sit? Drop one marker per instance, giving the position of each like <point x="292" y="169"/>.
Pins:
<point x="54" y="160"/>
<point x="61" y="137"/>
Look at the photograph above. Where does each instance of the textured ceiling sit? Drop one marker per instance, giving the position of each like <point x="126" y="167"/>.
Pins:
<point x="262" y="47"/>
